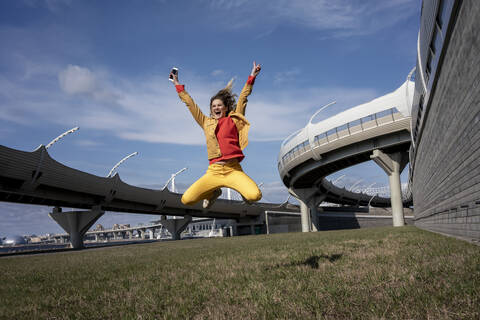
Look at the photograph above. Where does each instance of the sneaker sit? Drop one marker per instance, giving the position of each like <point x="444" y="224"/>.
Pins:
<point x="245" y="201"/>
<point x="207" y="203"/>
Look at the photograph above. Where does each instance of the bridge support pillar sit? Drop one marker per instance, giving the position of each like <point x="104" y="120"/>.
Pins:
<point x="309" y="201"/>
<point x="76" y="223"/>
<point x="175" y="226"/>
<point x="393" y="165"/>
<point x="305" y="216"/>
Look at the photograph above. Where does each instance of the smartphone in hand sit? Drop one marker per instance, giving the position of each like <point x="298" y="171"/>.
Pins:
<point x="174" y="71"/>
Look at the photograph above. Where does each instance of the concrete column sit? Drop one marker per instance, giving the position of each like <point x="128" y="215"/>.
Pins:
<point x="175" y="226"/>
<point x="150" y="234"/>
<point x="76" y="223"/>
<point x="96" y="237"/>
<point x="305" y="216"/>
<point x="233" y="230"/>
<point x="392" y="164"/>
<point x="313" y="204"/>
<point x="309" y="201"/>
<point x="314" y="218"/>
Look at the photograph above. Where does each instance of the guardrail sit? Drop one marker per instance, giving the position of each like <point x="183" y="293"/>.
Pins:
<point x="371" y="121"/>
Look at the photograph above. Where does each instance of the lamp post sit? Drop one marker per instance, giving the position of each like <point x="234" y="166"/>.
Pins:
<point x="371" y="200"/>
<point x="355" y="184"/>
<point x="120" y="162"/>
<point x="172" y="178"/>
<point x="36" y="173"/>
<point x="367" y="188"/>
<point x="61" y="136"/>
<point x="338" y="179"/>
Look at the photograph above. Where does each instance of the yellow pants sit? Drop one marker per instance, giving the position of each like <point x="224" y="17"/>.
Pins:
<point x="229" y="175"/>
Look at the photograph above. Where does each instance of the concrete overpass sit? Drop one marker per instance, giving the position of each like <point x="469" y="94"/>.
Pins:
<point x="36" y="178"/>
<point x="379" y="130"/>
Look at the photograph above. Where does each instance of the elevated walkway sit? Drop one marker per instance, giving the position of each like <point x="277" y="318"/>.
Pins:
<point x="36" y="178"/>
<point x="379" y="130"/>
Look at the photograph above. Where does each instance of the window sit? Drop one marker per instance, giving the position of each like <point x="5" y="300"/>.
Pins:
<point x="444" y="11"/>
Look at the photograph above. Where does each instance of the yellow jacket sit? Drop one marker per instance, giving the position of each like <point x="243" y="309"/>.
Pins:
<point x="210" y="124"/>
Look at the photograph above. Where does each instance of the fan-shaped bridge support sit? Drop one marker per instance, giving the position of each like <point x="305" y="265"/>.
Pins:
<point x="175" y="226"/>
<point x="76" y="223"/>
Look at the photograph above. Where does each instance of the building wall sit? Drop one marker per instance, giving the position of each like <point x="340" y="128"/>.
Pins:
<point x="446" y="170"/>
<point x="332" y="222"/>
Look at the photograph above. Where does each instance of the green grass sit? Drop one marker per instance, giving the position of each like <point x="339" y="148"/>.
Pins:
<point x="379" y="273"/>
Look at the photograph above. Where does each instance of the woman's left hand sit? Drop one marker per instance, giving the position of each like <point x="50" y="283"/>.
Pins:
<point x="256" y="69"/>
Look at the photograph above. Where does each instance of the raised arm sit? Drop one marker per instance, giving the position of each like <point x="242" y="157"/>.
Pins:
<point x="185" y="97"/>
<point x="247" y="89"/>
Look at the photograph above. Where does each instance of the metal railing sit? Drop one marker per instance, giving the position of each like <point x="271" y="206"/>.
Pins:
<point x="345" y="130"/>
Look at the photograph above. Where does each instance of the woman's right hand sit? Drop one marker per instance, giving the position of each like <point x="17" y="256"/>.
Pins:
<point x="175" y="78"/>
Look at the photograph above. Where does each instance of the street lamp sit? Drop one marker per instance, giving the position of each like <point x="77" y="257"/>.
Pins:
<point x="367" y="188"/>
<point x="372" y="199"/>
<point x="338" y="179"/>
<point x="120" y="162"/>
<point x="61" y="136"/>
<point x="355" y="184"/>
<point x="286" y="201"/>
<point x="172" y="178"/>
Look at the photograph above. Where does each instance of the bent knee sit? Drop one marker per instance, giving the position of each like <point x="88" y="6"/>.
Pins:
<point x="187" y="200"/>
<point x="253" y="196"/>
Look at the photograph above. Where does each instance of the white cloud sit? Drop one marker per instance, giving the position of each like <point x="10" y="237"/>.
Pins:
<point x="342" y="18"/>
<point x="286" y="76"/>
<point x="150" y="110"/>
<point x="88" y="143"/>
<point x="75" y="79"/>
<point x="217" y="72"/>
<point x="275" y="115"/>
<point x="80" y="80"/>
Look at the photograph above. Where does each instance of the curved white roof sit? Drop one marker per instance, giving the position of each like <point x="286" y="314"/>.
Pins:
<point x="401" y="99"/>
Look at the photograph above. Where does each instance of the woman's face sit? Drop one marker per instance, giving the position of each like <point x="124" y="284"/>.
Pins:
<point x="218" y="109"/>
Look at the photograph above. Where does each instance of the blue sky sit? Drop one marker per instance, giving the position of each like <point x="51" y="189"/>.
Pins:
<point x="103" y="66"/>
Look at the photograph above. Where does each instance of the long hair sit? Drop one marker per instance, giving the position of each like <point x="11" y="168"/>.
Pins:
<point x="227" y="97"/>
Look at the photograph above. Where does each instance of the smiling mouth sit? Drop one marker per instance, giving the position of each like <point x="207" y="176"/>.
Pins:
<point x="218" y="113"/>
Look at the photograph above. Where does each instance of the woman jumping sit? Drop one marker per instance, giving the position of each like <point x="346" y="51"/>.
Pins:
<point x="226" y="131"/>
